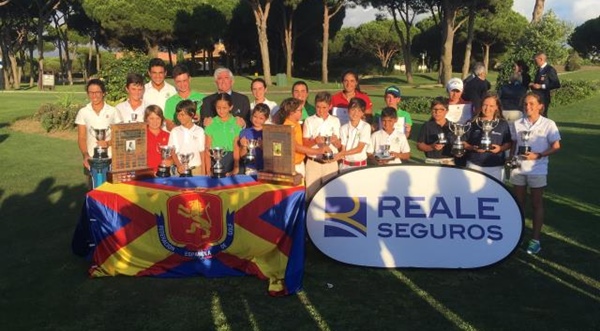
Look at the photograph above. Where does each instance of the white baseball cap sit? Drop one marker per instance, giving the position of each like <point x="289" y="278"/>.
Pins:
<point x="454" y="84"/>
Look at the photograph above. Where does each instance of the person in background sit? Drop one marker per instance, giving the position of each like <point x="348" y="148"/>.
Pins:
<point x="434" y="137"/>
<point x="224" y="81"/>
<point x="393" y="97"/>
<point x="183" y="80"/>
<point x="157" y="91"/>
<point x="96" y="114"/>
<point x="388" y="135"/>
<point x="155" y="136"/>
<point x="355" y="136"/>
<point x="546" y="80"/>
<point x="492" y="161"/>
<point x="187" y="137"/>
<point x="476" y="86"/>
<point x="132" y="109"/>
<point x="533" y="170"/>
<point x="511" y="96"/>
<point x="300" y="92"/>
<point x="340" y="101"/>
<point x="258" y="86"/>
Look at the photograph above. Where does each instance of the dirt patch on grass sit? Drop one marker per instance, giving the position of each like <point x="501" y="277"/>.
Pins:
<point x="32" y="126"/>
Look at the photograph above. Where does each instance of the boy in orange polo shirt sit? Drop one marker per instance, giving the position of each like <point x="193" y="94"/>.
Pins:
<point x="290" y="113"/>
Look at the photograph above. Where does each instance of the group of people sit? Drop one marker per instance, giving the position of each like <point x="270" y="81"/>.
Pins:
<point x="339" y="132"/>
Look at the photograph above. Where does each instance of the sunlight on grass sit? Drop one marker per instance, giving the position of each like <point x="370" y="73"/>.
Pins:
<point x="551" y="232"/>
<point x="312" y="310"/>
<point x="447" y="313"/>
<point x="584" y="207"/>
<point x="219" y="318"/>
<point x="250" y="315"/>
<point x="559" y="280"/>
<point x="580" y="277"/>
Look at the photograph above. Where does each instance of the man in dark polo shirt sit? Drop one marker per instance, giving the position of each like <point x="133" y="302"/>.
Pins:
<point x="241" y="105"/>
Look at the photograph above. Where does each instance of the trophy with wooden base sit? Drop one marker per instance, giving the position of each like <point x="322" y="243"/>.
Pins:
<point x="459" y="130"/>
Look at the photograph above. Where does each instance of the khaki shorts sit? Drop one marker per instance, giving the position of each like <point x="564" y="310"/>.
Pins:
<point x="533" y="181"/>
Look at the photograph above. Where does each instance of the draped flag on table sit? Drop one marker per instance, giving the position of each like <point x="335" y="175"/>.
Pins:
<point x="177" y="227"/>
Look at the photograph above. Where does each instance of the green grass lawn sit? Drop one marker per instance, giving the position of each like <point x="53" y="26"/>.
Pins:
<point x="43" y="286"/>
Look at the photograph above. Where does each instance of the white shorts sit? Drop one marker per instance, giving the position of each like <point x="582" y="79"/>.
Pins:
<point x="496" y="172"/>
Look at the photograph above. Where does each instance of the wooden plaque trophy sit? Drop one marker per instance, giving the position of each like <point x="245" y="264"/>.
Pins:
<point x="129" y="153"/>
<point x="278" y="155"/>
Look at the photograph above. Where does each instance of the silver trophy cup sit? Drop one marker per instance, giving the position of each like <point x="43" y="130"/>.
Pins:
<point x="459" y="130"/>
<point x="442" y="138"/>
<point x="100" y="135"/>
<point x="385" y="151"/>
<point x="217" y="154"/>
<point x="250" y="157"/>
<point x="487" y="126"/>
<point x="525" y="148"/>
<point x="165" y="154"/>
<point x="327" y="142"/>
<point x="185" y="159"/>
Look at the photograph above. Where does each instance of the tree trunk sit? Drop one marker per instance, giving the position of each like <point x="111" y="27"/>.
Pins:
<point x="469" y="46"/>
<point x="68" y="63"/>
<point x="261" y="16"/>
<point x="406" y="47"/>
<point x="90" y="57"/>
<point x="325" y="53"/>
<point x="538" y="11"/>
<point x="98" y="57"/>
<point x="61" y="60"/>
<point x="15" y="71"/>
<point x="447" y="42"/>
<point x="289" y="51"/>
<point x="31" y="66"/>
<point x="486" y="56"/>
<point x="40" y="47"/>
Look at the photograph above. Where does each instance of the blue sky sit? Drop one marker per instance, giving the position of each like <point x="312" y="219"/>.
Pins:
<point x="573" y="11"/>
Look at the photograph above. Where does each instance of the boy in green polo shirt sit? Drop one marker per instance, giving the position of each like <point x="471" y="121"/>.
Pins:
<point x="224" y="132"/>
<point x="182" y="78"/>
<point x="392" y="98"/>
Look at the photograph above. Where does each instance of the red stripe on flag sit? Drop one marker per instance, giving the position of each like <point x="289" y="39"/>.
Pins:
<point x="120" y="238"/>
<point x="160" y="267"/>
<point x="248" y="217"/>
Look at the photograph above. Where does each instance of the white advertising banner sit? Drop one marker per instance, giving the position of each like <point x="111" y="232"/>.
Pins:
<point x="423" y="216"/>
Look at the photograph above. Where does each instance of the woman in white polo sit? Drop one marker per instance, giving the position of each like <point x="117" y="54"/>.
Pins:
<point x="544" y="140"/>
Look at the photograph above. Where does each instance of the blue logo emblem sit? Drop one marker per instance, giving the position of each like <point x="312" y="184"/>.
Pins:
<point x="345" y="217"/>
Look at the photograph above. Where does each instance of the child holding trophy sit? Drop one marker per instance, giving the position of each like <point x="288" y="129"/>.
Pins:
<point x="488" y="139"/>
<point x="321" y="129"/>
<point x="535" y="137"/>
<point x="434" y="136"/>
<point x="251" y="139"/>
<point x="188" y="139"/>
<point x="290" y="113"/>
<point x="222" y="140"/>
<point x="388" y="145"/>
<point x="155" y="136"/>
<point x="95" y="117"/>
<point x="355" y="136"/>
